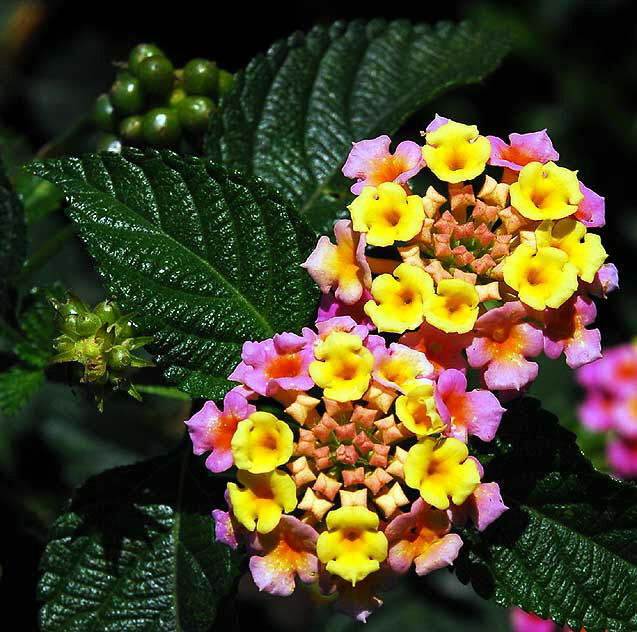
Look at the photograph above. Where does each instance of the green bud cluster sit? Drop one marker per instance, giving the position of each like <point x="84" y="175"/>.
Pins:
<point x="153" y="104"/>
<point x="102" y="341"/>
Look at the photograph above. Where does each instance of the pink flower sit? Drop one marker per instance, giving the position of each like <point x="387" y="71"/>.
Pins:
<point x="523" y="149"/>
<point x="526" y="622"/>
<point x="503" y="344"/>
<point x="212" y="429"/>
<point x="398" y="367"/>
<point x="622" y="456"/>
<point x="330" y="306"/>
<point x="596" y="411"/>
<point x="477" y="412"/>
<point x="288" y="550"/>
<point x="421" y="537"/>
<point x="370" y="162"/>
<point x="342" y="267"/>
<point x="591" y="211"/>
<point x="606" y="281"/>
<point x="624" y="413"/>
<point x="615" y="372"/>
<point x="443" y="350"/>
<point x="565" y="330"/>
<point x="438" y="121"/>
<point x="340" y="323"/>
<point x="279" y="363"/>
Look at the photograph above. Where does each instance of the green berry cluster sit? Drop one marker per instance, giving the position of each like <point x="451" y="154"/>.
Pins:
<point x="153" y="104"/>
<point x="102" y="340"/>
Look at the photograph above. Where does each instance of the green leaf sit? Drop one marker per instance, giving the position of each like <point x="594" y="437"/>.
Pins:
<point x="17" y="386"/>
<point x="13" y="251"/>
<point x="40" y="198"/>
<point x="567" y="547"/>
<point x="294" y="112"/>
<point x="206" y="258"/>
<point x="136" y="551"/>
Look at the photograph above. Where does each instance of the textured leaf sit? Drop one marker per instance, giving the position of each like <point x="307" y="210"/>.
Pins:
<point x="13" y="228"/>
<point x="567" y="547"/>
<point x="293" y="113"/>
<point x="17" y="386"/>
<point x="136" y="551"/>
<point x="207" y="259"/>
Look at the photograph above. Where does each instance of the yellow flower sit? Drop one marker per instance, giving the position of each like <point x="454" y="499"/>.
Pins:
<point x="567" y="234"/>
<point x="417" y="410"/>
<point x="399" y="302"/>
<point x="456" y="152"/>
<point x="352" y="547"/>
<point x="454" y="307"/>
<point x="542" y="278"/>
<point x="261" y="442"/>
<point x="387" y="214"/>
<point x="441" y="470"/>
<point x="264" y="499"/>
<point x="545" y="191"/>
<point x="343" y="367"/>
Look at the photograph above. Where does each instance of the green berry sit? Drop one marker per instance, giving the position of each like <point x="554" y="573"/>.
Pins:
<point x="109" y="142"/>
<point x="119" y="358"/>
<point x="176" y="97"/>
<point x="156" y="75"/>
<point x="194" y="113"/>
<point x="104" y="113"/>
<point x="200" y="77"/>
<point x="140" y="53"/>
<point x="130" y="129"/>
<point x="161" y="127"/>
<point x="87" y="324"/>
<point x="226" y="80"/>
<point x="126" y="95"/>
<point x="107" y="311"/>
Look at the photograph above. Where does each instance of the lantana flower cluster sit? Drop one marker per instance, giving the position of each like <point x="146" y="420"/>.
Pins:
<point x="496" y="259"/>
<point x="527" y="622"/>
<point x="352" y="462"/>
<point x="611" y="405"/>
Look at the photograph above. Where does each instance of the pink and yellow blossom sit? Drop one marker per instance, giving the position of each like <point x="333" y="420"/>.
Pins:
<point x="212" y="429"/>
<point x="456" y="152"/>
<point x="371" y="163"/>
<point x="418" y="411"/>
<point x="399" y="300"/>
<point x="521" y="150"/>
<point x="454" y="306"/>
<point x="441" y="471"/>
<point x="545" y="191"/>
<point x="352" y="547"/>
<point x="261" y="443"/>
<point x="400" y="367"/>
<point x="341" y="267"/>
<point x="262" y="500"/>
<point x="502" y="345"/>
<point x="386" y="214"/>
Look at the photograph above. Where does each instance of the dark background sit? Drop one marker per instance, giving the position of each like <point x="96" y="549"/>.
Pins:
<point x="573" y="70"/>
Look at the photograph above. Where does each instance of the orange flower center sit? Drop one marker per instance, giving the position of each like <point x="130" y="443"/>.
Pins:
<point x="284" y="366"/>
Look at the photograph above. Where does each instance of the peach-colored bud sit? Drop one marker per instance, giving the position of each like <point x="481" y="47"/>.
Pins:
<point x="426" y="236"/>
<point x="446" y="224"/>
<point x="306" y="443"/>
<point x="464" y="231"/>
<point x="354" y="499"/>
<point x="379" y="458"/>
<point x="482" y="265"/>
<point x="484" y="214"/>
<point x="442" y="246"/>
<point x="483" y="235"/>
<point x="353" y="477"/>
<point x="346" y="454"/>
<point x="461" y="197"/>
<point x="324" y="428"/>
<point x="379" y="396"/>
<point x="303" y="409"/>
<point x="327" y="486"/>
<point x="322" y="457"/>
<point x="348" y="431"/>
<point x="489" y="292"/>
<point x="395" y="468"/>
<point x="393" y="499"/>
<point x="301" y="472"/>
<point x="337" y="409"/>
<point x="462" y="256"/>
<point x="432" y="202"/>
<point x="494" y="192"/>
<point x="388" y="429"/>
<point x="501" y="246"/>
<point x="363" y="442"/>
<point x="411" y="255"/>
<point x="318" y="507"/>
<point x="512" y="221"/>
<point x="436" y="271"/>
<point x="469" y="277"/>
<point x="364" y="417"/>
<point x="376" y="480"/>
